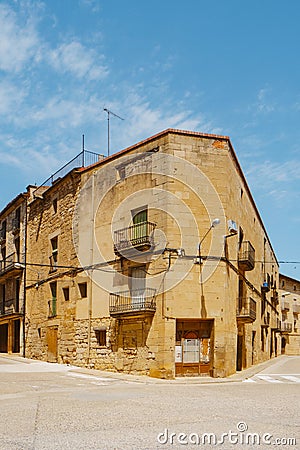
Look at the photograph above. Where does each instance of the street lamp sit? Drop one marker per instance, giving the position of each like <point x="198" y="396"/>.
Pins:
<point x="203" y="311"/>
<point x="214" y="224"/>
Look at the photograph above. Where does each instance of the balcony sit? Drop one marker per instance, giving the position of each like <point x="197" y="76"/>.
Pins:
<point x="136" y="237"/>
<point x="10" y="307"/>
<point x="131" y="303"/>
<point x="10" y="266"/>
<point x="246" y="256"/>
<point x="285" y="306"/>
<point x="296" y="309"/>
<point x="286" y="327"/>
<point x="246" y="310"/>
<point x="278" y="324"/>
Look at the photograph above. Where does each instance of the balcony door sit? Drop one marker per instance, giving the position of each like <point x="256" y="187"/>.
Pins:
<point x="139" y="229"/>
<point x="138" y="286"/>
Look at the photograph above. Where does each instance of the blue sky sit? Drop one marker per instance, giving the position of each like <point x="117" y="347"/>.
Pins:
<point x="229" y="67"/>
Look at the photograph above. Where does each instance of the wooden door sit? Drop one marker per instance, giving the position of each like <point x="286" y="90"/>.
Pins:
<point x="52" y="344"/>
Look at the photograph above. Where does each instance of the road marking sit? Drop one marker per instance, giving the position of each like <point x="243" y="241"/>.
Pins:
<point x="291" y="378"/>
<point x="88" y="377"/>
<point x="269" y="379"/>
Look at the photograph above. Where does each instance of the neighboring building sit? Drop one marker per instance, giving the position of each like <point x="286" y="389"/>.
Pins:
<point x="289" y="291"/>
<point x="136" y="274"/>
<point x="12" y="269"/>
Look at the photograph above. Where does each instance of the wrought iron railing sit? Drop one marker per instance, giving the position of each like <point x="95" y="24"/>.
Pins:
<point x="11" y="261"/>
<point x="246" y="308"/>
<point x="246" y="256"/>
<point x="285" y="306"/>
<point x="286" y="327"/>
<point x="296" y="309"/>
<point x="138" y="300"/>
<point x="136" y="235"/>
<point x="84" y="159"/>
<point x="9" y="306"/>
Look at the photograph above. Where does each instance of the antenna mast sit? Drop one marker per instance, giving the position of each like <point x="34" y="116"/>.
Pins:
<point x="108" y="114"/>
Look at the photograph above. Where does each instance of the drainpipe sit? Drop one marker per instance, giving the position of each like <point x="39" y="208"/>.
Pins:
<point x="24" y="277"/>
<point x="90" y="294"/>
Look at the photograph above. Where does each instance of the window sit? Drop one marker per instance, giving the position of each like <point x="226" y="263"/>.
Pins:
<point x="54" y="255"/>
<point x="241" y="236"/>
<point x="2" y="302"/>
<point x="295" y="287"/>
<point x="66" y="292"/>
<point x="101" y="336"/>
<point x="3" y="231"/>
<point x="53" y="301"/>
<point x="121" y="173"/>
<point x="54" y="205"/>
<point x="17" y="292"/>
<point x="17" y="247"/>
<point x="17" y="220"/>
<point x="83" y="289"/>
<point x="3" y="254"/>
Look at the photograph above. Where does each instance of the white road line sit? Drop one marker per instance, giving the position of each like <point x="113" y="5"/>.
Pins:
<point x="249" y="380"/>
<point x="269" y="379"/>
<point x="88" y="377"/>
<point x="291" y="378"/>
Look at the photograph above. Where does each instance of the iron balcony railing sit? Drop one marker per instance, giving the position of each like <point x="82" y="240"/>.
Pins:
<point x="296" y="309"/>
<point x="84" y="159"/>
<point x="246" y="309"/>
<point x="10" y="306"/>
<point x="11" y="262"/>
<point x="136" y="236"/>
<point x="246" y="256"/>
<point x="285" y="306"/>
<point x="134" y="301"/>
<point x="286" y="327"/>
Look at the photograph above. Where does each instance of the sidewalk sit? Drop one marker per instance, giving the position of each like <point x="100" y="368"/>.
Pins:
<point x="237" y="377"/>
<point x="37" y="365"/>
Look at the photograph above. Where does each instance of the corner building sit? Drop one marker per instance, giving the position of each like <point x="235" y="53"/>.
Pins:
<point x="12" y="275"/>
<point x="155" y="261"/>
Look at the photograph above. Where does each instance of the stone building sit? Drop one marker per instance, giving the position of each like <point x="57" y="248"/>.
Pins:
<point x="12" y="270"/>
<point x="154" y="260"/>
<point x="289" y="292"/>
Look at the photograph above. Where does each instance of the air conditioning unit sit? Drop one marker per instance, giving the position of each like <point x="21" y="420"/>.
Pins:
<point x="232" y="227"/>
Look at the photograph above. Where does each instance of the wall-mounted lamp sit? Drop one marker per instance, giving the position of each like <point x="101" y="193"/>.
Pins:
<point x="214" y="224"/>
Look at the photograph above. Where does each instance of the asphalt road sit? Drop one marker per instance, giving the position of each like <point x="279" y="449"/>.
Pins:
<point x="50" y="406"/>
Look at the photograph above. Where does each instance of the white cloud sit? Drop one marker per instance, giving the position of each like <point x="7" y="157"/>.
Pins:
<point x="269" y="172"/>
<point x="11" y="97"/>
<point x="19" y="42"/>
<point x="63" y="112"/>
<point x="264" y="105"/>
<point x="142" y="119"/>
<point x="73" y="57"/>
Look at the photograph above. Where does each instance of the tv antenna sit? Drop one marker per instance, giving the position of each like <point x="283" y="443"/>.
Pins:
<point x="108" y="114"/>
